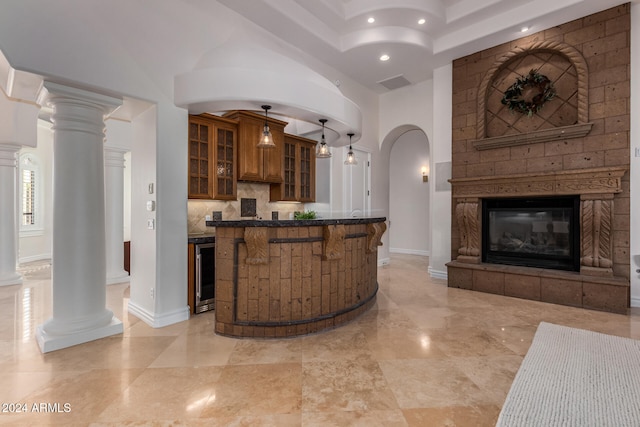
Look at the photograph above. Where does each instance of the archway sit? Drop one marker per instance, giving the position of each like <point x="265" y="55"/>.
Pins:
<point x="409" y="219"/>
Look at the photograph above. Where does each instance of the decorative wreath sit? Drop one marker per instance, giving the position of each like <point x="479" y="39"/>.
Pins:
<point x="529" y="93"/>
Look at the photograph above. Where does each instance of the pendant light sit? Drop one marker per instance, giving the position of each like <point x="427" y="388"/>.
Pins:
<point x="266" y="140"/>
<point x="351" y="158"/>
<point x="323" y="151"/>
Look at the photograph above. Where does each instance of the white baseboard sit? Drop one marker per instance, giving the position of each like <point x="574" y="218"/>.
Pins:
<point x="383" y="261"/>
<point x="437" y="274"/>
<point x="635" y="301"/>
<point x="409" y="251"/>
<point x="123" y="277"/>
<point x="32" y="258"/>
<point x="159" y="320"/>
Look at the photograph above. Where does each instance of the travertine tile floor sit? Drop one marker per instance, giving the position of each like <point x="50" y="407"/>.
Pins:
<point x="425" y="355"/>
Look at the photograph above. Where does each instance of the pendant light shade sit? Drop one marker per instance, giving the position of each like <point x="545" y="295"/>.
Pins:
<point x="323" y="150"/>
<point x="351" y="158"/>
<point x="266" y="140"/>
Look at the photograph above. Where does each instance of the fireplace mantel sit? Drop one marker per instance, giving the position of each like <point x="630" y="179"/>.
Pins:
<point x="535" y="137"/>
<point x="606" y="180"/>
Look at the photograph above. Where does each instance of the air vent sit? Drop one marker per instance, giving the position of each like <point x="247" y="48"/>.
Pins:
<point x="395" y="82"/>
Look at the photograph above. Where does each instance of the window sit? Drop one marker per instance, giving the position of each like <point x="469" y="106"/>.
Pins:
<point x="28" y="197"/>
<point x="30" y="214"/>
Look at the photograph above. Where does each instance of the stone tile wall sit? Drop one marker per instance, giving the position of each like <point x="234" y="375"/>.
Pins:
<point x="198" y="209"/>
<point x="603" y="40"/>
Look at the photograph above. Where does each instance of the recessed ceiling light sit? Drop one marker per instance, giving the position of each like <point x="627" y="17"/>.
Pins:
<point x="371" y="20"/>
<point x="384" y="57"/>
<point x="524" y="29"/>
<point x="421" y="21"/>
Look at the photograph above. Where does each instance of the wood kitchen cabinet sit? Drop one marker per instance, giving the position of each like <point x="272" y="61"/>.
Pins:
<point x="258" y="164"/>
<point x="298" y="171"/>
<point x="212" y="157"/>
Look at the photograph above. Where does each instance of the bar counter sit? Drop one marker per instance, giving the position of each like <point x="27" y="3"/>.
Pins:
<point x="284" y="278"/>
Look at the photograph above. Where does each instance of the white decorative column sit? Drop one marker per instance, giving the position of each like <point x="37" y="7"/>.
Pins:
<point x="8" y="209"/>
<point x="114" y="199"/>
<point x="79" y="243"/>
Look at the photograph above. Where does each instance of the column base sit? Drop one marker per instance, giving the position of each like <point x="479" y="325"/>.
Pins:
<point x="49" y="342"/>
<point x="121" y="277"/>
<point x="14" y="279"/>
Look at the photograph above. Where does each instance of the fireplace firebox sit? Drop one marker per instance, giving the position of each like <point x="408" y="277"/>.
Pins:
<point x="539" y="232"/>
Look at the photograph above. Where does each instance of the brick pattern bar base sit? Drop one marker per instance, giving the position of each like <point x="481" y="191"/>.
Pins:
<point x="274" y="280"/>
<point x="558" y="287"/>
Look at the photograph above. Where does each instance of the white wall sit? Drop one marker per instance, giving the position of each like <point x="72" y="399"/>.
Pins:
<point x="159" y="255"/>
<point x="441" y="154"/>
<point x="409" y="228"/>
<point x="410" y="105"/>
<point x="143" y="240"/>
<point x="403" y="110"/>
<point x="323" y="182"/>
<point x="171" y="215"/>
<point x="119" y="134"/>
<point x="126" y="206"/>
<point x="635" y="161"/>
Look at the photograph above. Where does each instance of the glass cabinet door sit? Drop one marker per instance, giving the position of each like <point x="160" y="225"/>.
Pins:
<point x="305" y="173"/>
<point x="225" y="164"/>
<point x="289" y="171"/>
<point x="199" y="160"/>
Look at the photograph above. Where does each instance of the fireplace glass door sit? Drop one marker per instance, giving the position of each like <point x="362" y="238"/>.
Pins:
<point x="538" y="232"/>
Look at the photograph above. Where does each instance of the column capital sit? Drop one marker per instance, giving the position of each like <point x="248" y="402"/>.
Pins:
<point x="52" y="93"/>
<point x="8" y="153"/>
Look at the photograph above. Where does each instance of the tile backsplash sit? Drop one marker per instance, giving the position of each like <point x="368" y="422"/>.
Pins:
<point x="198" y="209"/>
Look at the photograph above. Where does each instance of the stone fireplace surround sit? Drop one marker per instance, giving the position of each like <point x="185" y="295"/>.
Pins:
<point x="593" y="287"/>
<point x="577" y="145"/>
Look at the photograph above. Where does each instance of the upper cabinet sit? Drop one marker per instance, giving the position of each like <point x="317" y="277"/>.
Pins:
<point x="212" y="157"/>
<point x="258" y="164"/>
<point x="298" y="171"/>
<point x="223" y="151"/>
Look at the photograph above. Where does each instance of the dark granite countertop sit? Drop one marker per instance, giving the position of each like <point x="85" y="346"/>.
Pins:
<point x="294" y="222"/>
<point x="200" y="238"/>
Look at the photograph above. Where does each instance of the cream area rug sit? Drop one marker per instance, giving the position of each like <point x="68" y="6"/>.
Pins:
<point x="573" y="377"/>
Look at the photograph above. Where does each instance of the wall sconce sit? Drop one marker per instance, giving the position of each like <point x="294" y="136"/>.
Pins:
<point x="266" y="140"/>
<point x="425" y="177"/>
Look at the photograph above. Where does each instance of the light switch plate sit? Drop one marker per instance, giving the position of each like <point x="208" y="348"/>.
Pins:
<point x="151" y="224"/>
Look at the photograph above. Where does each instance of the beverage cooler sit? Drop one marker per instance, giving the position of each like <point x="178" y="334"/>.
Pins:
<point x="205" y="283"/>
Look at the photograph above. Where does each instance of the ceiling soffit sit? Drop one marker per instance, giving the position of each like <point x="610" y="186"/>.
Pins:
<point x="251" y="76"/>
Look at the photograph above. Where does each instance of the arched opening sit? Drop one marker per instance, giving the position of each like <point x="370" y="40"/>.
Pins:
<point x="409" y="191"/>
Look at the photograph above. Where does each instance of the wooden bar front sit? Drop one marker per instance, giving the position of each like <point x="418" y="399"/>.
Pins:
<point x="288" y="278"/>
